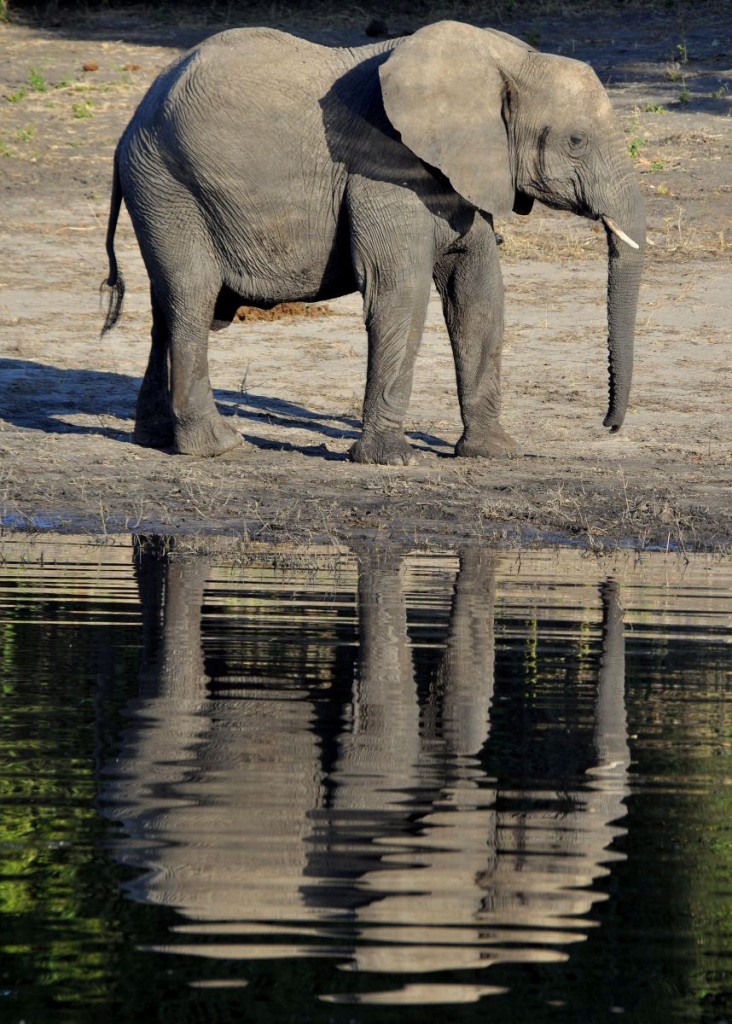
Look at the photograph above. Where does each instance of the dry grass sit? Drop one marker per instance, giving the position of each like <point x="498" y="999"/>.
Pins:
<point x="676" y="240"/>
<point x="542" y="238"/>
<point x="680" y="241"/>
<point x="597" y="521"/>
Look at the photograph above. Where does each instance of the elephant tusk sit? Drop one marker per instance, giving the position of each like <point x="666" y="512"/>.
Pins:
<point x="612" y="226"/>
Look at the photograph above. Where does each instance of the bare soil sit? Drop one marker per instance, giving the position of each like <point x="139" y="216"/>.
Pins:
<point x="294" y="382"/>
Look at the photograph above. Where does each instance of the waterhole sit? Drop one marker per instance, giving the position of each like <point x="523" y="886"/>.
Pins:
<point x="363" y="784"/>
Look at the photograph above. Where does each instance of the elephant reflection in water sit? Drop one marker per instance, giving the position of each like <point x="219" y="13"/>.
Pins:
<point x="215" y="795"/>
<point x="399" y="848"/>
<point x="468" y="879"/>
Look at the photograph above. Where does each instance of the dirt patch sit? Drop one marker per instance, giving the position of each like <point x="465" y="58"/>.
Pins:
<point x="284" y="311"/>
<point x="293" y="380"/>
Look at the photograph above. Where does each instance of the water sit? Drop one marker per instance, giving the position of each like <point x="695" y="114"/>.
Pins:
<point x="363" y="786"/>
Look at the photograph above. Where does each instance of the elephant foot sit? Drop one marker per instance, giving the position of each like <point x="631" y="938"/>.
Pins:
<point x="493" y="444"/>
<point x="206" y="435"/>
<point x="154" y="426"/>
<point x="383" y="450"/>
<point x="154" y="433"/>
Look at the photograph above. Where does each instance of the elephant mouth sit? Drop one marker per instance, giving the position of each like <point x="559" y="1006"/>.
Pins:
<point x="618" y="231"/>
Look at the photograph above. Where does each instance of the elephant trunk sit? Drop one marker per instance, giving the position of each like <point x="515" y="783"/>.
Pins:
<point x="626" y="235"/>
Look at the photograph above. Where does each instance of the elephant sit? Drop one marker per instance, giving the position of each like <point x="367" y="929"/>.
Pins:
<point x="263" y="168"/>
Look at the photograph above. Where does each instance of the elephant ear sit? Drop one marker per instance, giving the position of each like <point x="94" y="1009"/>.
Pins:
<point x="445" y="94"/>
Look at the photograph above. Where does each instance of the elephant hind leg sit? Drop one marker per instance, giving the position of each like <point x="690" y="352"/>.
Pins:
<point x="153" y="414"/>
<point x="198" y="427"/>
<point x="176" y="406"/>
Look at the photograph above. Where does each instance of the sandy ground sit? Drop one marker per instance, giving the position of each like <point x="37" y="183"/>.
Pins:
<point x="295" y="384"/>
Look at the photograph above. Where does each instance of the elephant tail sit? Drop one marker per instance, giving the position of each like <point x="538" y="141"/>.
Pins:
<point x="114" y="286"/>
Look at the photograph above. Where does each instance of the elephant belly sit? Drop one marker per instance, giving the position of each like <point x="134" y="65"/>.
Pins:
<point x="270" y="251"/>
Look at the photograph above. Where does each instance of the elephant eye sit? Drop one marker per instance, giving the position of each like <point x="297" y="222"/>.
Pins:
<point x="578" y="141"/>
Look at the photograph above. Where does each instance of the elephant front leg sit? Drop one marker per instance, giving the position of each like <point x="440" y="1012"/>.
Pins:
<point x="394" y="322"/>
<point x="471" y="289"/>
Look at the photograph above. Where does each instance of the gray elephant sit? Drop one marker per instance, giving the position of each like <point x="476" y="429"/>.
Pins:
<point x="262" y="168"/>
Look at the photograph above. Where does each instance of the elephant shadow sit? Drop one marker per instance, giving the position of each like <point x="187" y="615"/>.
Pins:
<point x="37" y="396"/>
<point x="287" y="414"/>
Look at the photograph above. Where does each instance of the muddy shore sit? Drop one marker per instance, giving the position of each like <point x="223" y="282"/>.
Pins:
<point x="294" y="383"/>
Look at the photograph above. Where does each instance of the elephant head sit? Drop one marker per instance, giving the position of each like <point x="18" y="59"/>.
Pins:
<point x="508" y="125"/>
